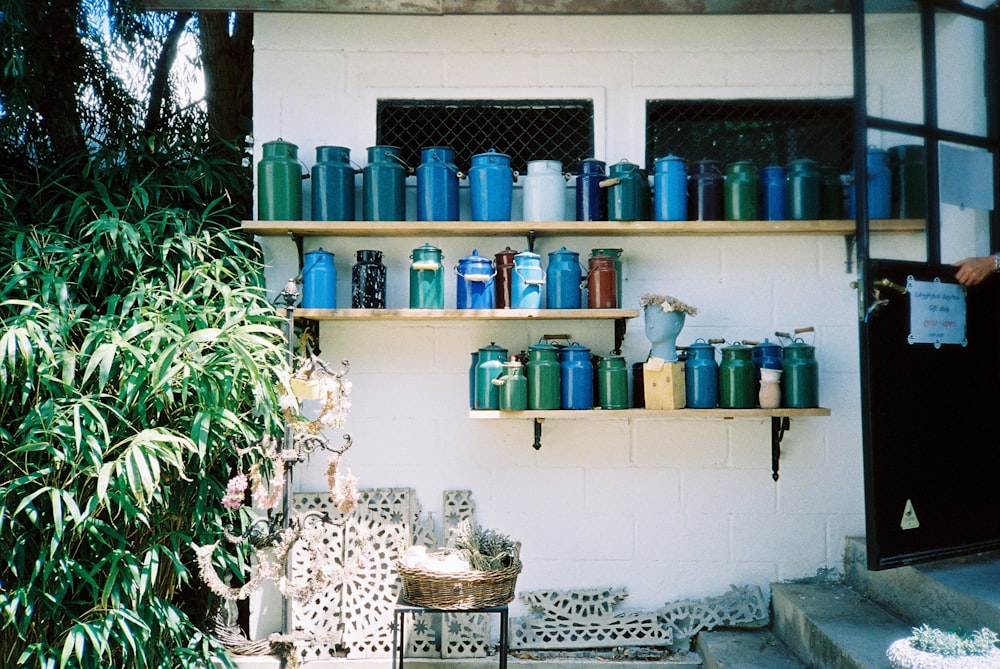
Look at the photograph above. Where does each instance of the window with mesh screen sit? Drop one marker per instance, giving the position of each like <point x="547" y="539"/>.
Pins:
<point x="525" y="130"/>
<point x="765" y="132"/>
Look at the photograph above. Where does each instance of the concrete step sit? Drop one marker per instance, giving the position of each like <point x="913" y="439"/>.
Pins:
<point x="830" y="626"/>
<point x="955" y="594"/>
<point x="745" y="649"/>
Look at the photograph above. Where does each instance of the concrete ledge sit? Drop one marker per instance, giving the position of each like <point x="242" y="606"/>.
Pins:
<point x="955" y="594"/>
<point x="745" y="649"/>
<point x="829" y="625"/>
<point x="680" y="661"/>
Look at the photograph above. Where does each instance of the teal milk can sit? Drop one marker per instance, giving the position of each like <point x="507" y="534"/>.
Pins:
<point x="802" y="190"/>
<point x="488" y="368"/>
<point x="426" y="278"/>
<point x="741" y="190"/>
<point x="384" y="185"/>
<point x="612" y="382"/>
<point x="333" y="184"/>
<point x="472" y="379"/>
<point x="701" y="376"/>
<point x="543" y="376"/>
<point x="279" y="182"/>
<point x="627" y="189"/>
<point x="800" y="376"/>
<point x="513" y="386"/>
<point x="737" y="384"/>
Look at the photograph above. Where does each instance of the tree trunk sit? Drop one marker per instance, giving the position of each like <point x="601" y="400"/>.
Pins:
<point x="56" y="62"/>
<point x="160" y="88"/>
<point x="228" y="63"/>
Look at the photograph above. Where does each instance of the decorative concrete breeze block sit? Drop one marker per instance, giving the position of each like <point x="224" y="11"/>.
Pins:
<point x="663" y="384"/>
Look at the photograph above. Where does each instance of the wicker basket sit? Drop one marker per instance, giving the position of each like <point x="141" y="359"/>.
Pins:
<point x="461" y="590"/>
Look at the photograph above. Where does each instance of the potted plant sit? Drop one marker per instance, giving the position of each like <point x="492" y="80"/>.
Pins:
<point x="931" y="648"/>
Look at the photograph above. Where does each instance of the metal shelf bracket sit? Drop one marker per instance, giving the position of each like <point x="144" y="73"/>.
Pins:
<point x="779" y="424"/>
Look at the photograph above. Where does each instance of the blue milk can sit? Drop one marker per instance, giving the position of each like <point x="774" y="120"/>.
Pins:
<point x="437" y="185"/>
<point x="384" y="185"/>
<point x="576" y="378"/>
<point x="319" y="281"/>
<point x="670" y="196"/>
<point x="279" y="182"/>
<point x="544" y="191"/>
<point x="772" y="193"/>
<point x="333" y="184"/>
<point x="527" y="280"/>
<point x="475" y="282"/>
<point x="426" y="278"/>
<point x="701" y="376"/>
<point x="562" y="280"/>
<point x="766" y="354"/>
<point x="879" y="183"/>
<point x="491" y="185"/>
<point x="591" y="204"/>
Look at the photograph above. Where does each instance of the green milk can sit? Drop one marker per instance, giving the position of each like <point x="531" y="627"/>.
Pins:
<point x="543" y="376"/>
<point x="513" y="386"/>
<point x="800" y="376"/>
<point x="279" y="183"/>
<point x="612" y="382"/>
<point x="737" y="380"/>
<point x="742" y="196"/>
<point x="426" y="278"/>
<point x="489" y="367"/>
<point x="803" y="185"/>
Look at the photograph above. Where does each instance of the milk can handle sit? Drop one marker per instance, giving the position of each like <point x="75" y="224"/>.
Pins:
<point x="451" y="166"/>
<point x="409" y="170"/>
<point x="426" y="265"/>
<point x="475" y="277"/>
<point x="531" y="282"/>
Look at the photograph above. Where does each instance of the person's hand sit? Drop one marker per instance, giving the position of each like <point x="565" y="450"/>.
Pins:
<point x="973" y="271"/>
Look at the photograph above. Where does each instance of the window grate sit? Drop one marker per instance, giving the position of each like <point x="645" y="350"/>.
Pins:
<point x="765" y="132"/>
<point x="526" y="130"/>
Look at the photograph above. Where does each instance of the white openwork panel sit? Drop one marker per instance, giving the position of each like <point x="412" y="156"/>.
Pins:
<point x="465" y="634"/>
<point x="353" y="609"/>
<point x="591" y="619"/>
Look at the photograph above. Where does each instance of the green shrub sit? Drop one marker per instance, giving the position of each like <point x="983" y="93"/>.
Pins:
<point x="933" y="640"/>
<point x="138" y="359"/>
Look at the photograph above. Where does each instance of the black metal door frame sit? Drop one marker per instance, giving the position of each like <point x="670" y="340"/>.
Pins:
<point x="932" y="135"/>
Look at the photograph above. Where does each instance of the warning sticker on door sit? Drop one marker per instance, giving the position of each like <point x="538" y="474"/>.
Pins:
<point x="910" y="520"/>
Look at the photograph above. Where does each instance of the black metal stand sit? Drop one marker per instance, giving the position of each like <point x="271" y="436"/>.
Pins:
<point x="403" y="607"/>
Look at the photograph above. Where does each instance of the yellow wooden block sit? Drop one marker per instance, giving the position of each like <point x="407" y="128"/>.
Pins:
<point x="663" y="384"/>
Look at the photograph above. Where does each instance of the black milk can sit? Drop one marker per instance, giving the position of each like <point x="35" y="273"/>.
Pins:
<point x="705" y="192"/>
<point x="368" y="280"/>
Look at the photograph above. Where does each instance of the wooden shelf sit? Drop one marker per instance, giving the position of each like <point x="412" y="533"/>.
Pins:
<point x="577" y="228"/>
<point x="620" y="414"/>
<point x="464" y="314"/>
<point x="780" y="419"/>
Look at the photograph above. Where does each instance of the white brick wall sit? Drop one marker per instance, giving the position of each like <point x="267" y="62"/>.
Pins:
<point x="670" y="509"/>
